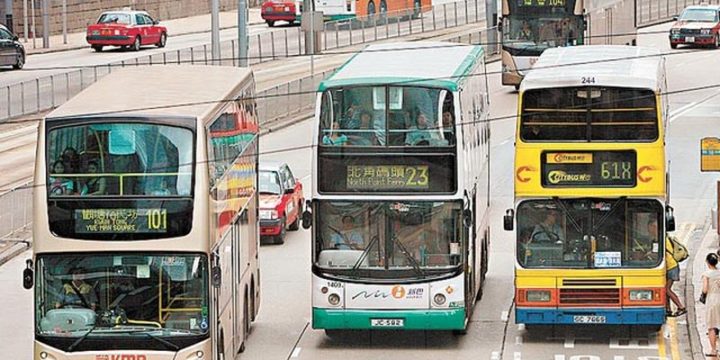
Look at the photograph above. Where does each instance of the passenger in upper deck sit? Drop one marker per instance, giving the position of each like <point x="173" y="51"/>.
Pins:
<point x="334" y="137"/>
<point x="59" y="185"/>
<point x="95" y="185"/>
<point x="365" y="134"/>
<point x="422" y="133"/>
<point x="448" y="126"/>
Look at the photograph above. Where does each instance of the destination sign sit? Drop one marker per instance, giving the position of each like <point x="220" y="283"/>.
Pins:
<point x="121" y="221"/>
<point x="542" y="3"/>
<point x="387" y="177"/>
<point x="589" y="168"/>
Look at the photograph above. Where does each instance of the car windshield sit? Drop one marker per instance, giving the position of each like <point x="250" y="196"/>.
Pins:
<point x="114" y="18"/>
<point x="402" y="238"/>
<point x="269" y="183"/>
<point x="590" y="233"/>
<point x="128" y="295"/>
<point x="704" y="15"/>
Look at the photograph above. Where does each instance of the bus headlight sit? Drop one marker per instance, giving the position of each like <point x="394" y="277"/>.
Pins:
<point x="268" y="214"/>
<point x="439" y="299"/>
<point x="641" y="295"/>
<point x="537" y="296"/>
<point x="334" y="299"/>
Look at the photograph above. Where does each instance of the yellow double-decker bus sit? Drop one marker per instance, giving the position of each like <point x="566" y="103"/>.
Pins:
<point x="591" y="205"/>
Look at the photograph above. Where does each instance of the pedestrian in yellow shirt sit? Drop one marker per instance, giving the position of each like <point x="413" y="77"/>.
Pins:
<point x="673" y="274"/>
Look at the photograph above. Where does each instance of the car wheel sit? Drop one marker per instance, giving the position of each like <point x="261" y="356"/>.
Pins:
<point x="136" y="44"/>
<point x="280" y="238"/>
<point x="717" y="41"/>
<point x="296" y="224"/>
<point x="270" y="23"/>
<point x="20" y="61"/>
<point x="673" y="46"/>
<point x="97" y="48"/>
<point x="163" y="40"/>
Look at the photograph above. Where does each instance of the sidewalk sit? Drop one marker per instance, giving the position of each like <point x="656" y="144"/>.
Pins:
<point x="708" y="244"/>
<point x="175" y="27"/>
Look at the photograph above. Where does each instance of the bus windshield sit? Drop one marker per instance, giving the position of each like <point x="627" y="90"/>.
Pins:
<point x="379" y="116"/>
<point x="589" y="114"/>
<point x="389" y="239"/>
<point x="115" y="180"/>
<point x="590" y="233"/>
<point x="530" y="35"/>
<point x="83" y="301"/>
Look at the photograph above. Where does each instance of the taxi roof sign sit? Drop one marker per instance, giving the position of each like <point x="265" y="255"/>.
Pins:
<point x="710" y="154"/>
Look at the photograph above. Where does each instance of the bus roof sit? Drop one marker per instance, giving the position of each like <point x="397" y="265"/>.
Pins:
<point x="156" y="91"/>
<point x="598" y="65"/>
<point x="435" y="64"/>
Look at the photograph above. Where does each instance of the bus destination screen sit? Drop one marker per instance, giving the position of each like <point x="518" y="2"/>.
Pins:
<point x="387" y="177"/>
<point x="123" y="221"/>
<point x="589" y="168"/>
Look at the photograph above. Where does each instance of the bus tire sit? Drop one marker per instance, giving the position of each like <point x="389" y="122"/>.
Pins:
<point x="252" y="300"/>
<point x="335" y="334"/>
<point x="460" y="332"/>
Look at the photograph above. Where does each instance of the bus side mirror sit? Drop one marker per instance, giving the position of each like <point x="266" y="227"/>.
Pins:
<point x="216" y="276"/>
<point x="28" y="275"/>
<point x="508" y="219"/>
<point x="669" y="219"/>
<point x="467" y="218"/>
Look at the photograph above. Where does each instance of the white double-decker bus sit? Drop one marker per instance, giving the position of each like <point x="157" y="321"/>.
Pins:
<point x="145" y="218"/>
<point x="400" y="194"/>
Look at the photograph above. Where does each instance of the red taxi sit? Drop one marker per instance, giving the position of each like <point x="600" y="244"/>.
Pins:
<point x="272" y="11"/>
<point x="281" y="201"/>
<point x="128" y="29"/>
<point x="697" y="25"/>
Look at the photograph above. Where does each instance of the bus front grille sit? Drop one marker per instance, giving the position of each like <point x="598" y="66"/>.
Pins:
<point x="589" y="282"/>
<point x="578" y="297"/>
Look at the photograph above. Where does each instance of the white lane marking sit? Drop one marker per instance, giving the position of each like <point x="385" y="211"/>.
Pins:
<point x="681" y="111"/>
<point x="559" y="357"/>
<point x="518" y="340"/>
<point x="521" y="327"/>
<point x="505" y="141"/>
<point x="618" y="357"/>
<point x="504" y="316"/>
<point x="296" y="353"/>
<point x="517" y="355"/>
<point x="305" y="177"/>
<point x="495" y="355"/>
<point x="649" y="343"/>
<point x="570" y="342"/>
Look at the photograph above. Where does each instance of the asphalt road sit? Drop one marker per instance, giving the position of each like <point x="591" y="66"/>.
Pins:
<point x="282" y="332"/>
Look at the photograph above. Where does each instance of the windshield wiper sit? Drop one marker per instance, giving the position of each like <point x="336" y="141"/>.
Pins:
<point x="413" y="261"/>
<point x="81" y="339"/>
<point x="147" y="333"/>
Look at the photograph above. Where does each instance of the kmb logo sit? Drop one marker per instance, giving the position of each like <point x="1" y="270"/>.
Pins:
<point x="120" y="357"/>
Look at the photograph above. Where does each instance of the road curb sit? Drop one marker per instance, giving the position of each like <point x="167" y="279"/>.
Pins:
<point x="13" y="251"/>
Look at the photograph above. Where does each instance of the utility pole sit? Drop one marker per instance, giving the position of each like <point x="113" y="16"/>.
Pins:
<point x="312" y="23"/>
<point x="46" y="23"/>
<point x="25" y="21"/>
<point x="491" y="21"/>
<point x="215" y="27"/>
<point x="32" y="15"/>
<point x="242" y="33"/>
<point x="9" y="15"/>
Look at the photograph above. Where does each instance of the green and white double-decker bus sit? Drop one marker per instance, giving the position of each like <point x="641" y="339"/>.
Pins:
<point x="531" y="26"/>
<point x="400" y="194"/>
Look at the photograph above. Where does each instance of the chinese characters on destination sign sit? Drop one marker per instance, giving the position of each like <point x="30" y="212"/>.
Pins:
<point x="89" y="221"/>
<point x="387" y="177"/>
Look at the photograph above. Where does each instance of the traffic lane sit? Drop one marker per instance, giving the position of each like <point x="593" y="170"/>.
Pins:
<point x="16" y="310"/>
<point x="88" y="57"/>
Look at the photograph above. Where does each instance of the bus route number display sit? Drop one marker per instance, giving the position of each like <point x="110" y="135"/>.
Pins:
<point x="542" y="3"/>
<point x="387" y="177"/>
<point x="122" y="221"/>
<point x="594" y="168"/>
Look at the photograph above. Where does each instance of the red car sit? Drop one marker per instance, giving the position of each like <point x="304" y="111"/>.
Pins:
<point x="281" y="201"/>
<point x="131" y="29"/>
<point x="697" y="25"/>
<point x="273" y="11"/>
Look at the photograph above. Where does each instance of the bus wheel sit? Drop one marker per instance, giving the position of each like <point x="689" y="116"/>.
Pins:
<point x="252" y="300"/>
<point x="460" y="332"/>
<point x="334" y="334"/>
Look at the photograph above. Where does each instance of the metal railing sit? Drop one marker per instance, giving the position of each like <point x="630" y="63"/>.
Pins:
<point x="649" y="12"/>
<point x="48" y="92"/>
<point x="15" y="218"/>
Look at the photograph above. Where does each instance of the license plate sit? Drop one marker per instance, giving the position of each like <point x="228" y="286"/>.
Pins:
<point x="387" y="322"/>
<point x="689" y="39"/>
<point x="589" y="319"/>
